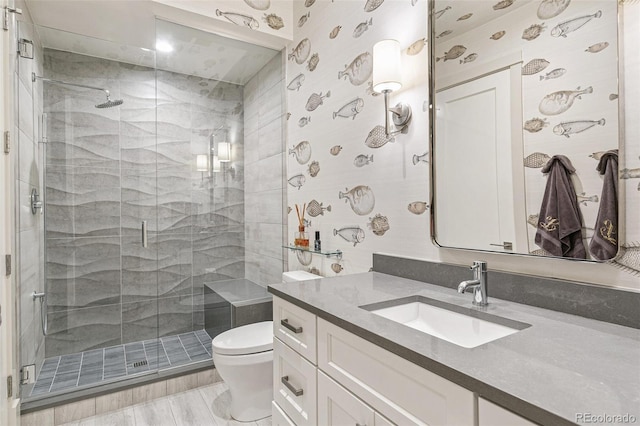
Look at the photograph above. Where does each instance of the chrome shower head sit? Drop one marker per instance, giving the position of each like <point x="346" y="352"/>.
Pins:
<point x="110" y="103"/>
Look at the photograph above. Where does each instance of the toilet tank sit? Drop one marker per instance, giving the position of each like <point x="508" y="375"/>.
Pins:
<point x="292" y="276"/>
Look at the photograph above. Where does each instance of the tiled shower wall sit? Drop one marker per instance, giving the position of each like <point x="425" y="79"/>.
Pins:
<point x="103" y="180"/>
<point x="28" y="175"/>
<point x="264" y="169"/>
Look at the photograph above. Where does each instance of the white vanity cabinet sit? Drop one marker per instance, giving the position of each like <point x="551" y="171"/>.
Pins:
<point x="490" y="414"/>
<point x="340" y="378"/>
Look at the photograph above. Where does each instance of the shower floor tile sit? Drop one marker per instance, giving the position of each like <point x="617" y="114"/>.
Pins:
<point x="94" y="366"/>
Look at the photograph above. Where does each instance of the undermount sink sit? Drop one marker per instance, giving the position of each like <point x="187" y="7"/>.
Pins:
<point x="464" y="327"/>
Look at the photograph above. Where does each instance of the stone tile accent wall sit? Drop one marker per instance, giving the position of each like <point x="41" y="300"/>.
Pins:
<point x="109" y="169"/>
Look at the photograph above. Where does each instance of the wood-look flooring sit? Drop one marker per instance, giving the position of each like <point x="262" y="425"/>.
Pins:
<point x="208" y="405"/>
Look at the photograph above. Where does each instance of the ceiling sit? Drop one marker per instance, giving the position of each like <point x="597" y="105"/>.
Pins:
<point x="127" y="31"/>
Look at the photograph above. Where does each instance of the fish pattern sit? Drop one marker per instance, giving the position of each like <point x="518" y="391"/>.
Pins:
<point x="309" y="3"/>
<point x="351" y="234"/>
<point x="597" y="155"/>
<point x="372" y="5"/>
<point x="442" y="34"/>
<point x="628" y="258"/>
<point x="378" y="224"/>
<point x="304" y="121"/>
<point x="630" y="173"/>
<point x="359" y="70"/>
<point x="465" y="17"/>
<point x="418" y="207"/>
<point x="536" y="160"/>
<point x="551" y="8"/>
<point x="313" y="62"/>
<point x="534" y="66"/>
<point x="503" y="4"/>
<point x="273" y="21"/>
<point x="417" y="46"/>
<point x="296" y="83"/>
<point x="498" y="35"/>
<point x="362" y="27"/>
<point x="314" y="208"/>
<point x="441" y="12"/>
<point x="258" y="4"/>
<point x="350" y="110"/>
<point x="533" y="220"/>
<point x="569" y="128"/>
<point x="454" y="53"/>
<point x="540" y="252"/>
<point x="559" y="102"/>
<point x="598" y="47"/>
<point x="370" y="90"/>
<point x="470" y="58"/>
<point x="566" y="27"/>
<point x="315" y="100"/>
<point x="314" y="169"/>
<point x="304" y="257"/>
<point x="556" y="73"/>
<point x="239" y="19"/>
<point x="360" y="198"/>
<point x="535" y="124"/>
<point x="301" y="52"/>
<point x="424" y="158"/>
<point x="297" y="181"/>
<point x="301" y="152"/>
<point x="335" y="150"/>
<point x="362" y="160"/>
<point x="613" y="96"/>
<point x="303" y="19"/>
<point x="377" y="137"/>
<point x="584" y="199"/>
<point x="336" y="267"/>
<point x="335" y="31"/>
<point x="533" y="32"/>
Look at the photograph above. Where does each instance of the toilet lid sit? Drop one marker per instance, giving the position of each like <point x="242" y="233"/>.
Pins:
<point x="247" y="339"/>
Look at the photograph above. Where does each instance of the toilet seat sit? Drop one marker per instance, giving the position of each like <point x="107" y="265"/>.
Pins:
<point x="248" y="339"/>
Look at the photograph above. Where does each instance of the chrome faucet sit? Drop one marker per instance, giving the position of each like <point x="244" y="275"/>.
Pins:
<point x="478" y="283"/>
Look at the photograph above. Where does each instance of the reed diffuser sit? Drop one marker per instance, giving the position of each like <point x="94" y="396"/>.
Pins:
<point x="301" y="238"/>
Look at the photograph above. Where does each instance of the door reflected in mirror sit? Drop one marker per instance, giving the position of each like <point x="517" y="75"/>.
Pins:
<point x="524" y="105"/>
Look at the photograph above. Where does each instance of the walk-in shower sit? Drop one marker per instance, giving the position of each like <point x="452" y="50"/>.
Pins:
<point x="139" y="246"/>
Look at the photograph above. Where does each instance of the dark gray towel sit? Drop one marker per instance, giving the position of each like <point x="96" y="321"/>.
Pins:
<point x="604" y="244"/>
<point x="560" y="224"/>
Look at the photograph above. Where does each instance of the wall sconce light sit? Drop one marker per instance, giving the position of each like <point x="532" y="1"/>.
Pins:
<point x="224" y="152"/>
<point x="202" y="162"/>
<point x="386" y="79"/>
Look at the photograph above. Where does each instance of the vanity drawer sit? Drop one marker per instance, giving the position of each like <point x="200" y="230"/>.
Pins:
<point x="400" y="390"/>
<point x="337" y="406"/>
<point x="278" y="417"/>
<point x="295" y="327"/>
<point x="294" y="384"/>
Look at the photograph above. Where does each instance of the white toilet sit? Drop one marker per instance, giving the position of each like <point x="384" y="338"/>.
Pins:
<point x="243" y="357"/>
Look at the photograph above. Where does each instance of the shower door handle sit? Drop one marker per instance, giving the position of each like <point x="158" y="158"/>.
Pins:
<point x="145" y="241"/>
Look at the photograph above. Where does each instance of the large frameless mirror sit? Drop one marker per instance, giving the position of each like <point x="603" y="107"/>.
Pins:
<point x="525" y="126"/>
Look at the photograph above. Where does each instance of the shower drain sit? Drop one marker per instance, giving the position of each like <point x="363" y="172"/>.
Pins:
<point x="139" y="363"/>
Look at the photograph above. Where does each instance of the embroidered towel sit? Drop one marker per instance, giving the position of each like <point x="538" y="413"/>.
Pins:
<point x="560" y="222"/>
<point x="604" y="244"/>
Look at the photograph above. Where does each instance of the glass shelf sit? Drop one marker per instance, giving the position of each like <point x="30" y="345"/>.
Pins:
<point x="327" y="253"/>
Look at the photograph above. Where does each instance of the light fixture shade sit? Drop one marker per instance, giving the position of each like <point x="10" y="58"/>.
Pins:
<point x="216" y="164"/>
<point x="202" y="162"/>
<point x="386" y="66"/>
<point x="224" y="151"/>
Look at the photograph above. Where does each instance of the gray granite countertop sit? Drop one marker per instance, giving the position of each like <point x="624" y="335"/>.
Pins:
<point x="560" y="366"/>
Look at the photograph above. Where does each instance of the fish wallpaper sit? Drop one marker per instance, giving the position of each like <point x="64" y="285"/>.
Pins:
<point x="272" y="17"/>
<point x="352" y="149"/>
<point x="569" y="50"/>
<point x="356" y="182"/>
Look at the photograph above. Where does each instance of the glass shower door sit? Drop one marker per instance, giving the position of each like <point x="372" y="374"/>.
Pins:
<point x="94" y="123"/>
